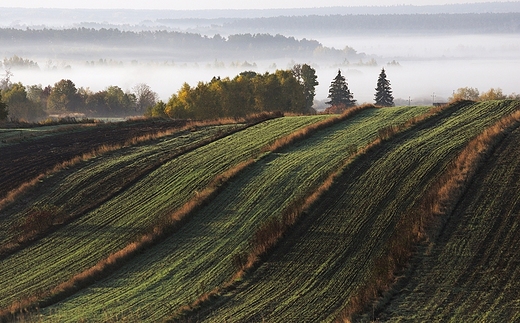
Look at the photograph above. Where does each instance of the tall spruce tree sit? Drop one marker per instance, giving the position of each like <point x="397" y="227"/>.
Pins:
<point x="383" y="96"/>
<point x="339" y="93"/>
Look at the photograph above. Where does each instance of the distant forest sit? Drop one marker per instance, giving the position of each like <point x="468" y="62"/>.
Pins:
<point x="470" y="23"/>
<point x="171" y="44"/>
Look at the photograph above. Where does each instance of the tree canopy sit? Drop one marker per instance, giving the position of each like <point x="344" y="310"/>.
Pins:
<point x="20" y="106"/>
<point x="3" y="109"/>
<point x="247" y="93"/>
<point x="306" y="75"/>
<point x="383" y="96"/>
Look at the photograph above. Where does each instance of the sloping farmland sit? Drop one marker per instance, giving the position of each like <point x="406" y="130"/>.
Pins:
<point x="111" y="226"/>
<point x="87" y="185"/>
<point x="318" y="267"/>
<point x="471" y="272"/>
<point x="28" y="159"/>
<point x="199" y="256"/>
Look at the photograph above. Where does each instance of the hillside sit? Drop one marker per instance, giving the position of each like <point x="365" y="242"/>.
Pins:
<point x="284" y="220"/>
<point x="312" y="278"/>
<point x="470" y="272"/>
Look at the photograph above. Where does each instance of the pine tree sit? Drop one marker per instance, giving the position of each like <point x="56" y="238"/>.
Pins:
<point x="383" y="96"/>
<point x="339" y="93"/>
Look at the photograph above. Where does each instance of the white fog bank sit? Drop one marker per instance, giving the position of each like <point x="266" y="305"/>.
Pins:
<point x="429" y="68"/>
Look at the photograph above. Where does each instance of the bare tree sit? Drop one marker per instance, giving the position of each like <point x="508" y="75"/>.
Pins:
<point x="5" y="82"/>
<point x="145" y="97"/>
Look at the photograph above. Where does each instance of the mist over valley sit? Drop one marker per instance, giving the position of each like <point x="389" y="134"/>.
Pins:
<point x="426" y="59"/>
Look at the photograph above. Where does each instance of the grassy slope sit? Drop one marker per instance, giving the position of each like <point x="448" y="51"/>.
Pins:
<point x="199" y="256"/>
<point x="472" y="271"/>
<point x="13" y="135"/>
<point x="89" y="184"/>
<point x="110" y="227"/>
<point x="309" y="279"/>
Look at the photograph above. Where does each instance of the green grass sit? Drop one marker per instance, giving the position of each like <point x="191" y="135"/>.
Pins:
<point x="198" y="258"/>
<point x="320" y="264"/>
<point x="312" y="274"/>
<point x="470" y="272"/>
<point x="13" y="135"/>
<point x="108" y="228"/>
<point x="84" y="187"/>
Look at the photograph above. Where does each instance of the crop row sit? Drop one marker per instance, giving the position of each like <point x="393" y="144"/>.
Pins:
<point x="82" y="243"/>
<point x="10" y="136"/>
<point x="26" y="161"/>
<point x="321" y="264"/>
<point x="71" y="193"/>
<point x="471" y="271"/>
<point x="201" y="255"/>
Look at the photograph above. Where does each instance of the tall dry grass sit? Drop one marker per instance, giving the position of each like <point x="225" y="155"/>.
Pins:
<point x="425" y="220"/>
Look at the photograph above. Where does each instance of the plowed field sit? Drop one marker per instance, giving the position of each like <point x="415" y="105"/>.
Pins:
<point x="26" y="160"/>
<point x="471" y="273"/>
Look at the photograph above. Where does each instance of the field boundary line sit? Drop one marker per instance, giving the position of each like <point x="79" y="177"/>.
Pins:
<point x="424" y="221"/>
<point x="23" y="240"/>
<point x="162" y="229"/>
<point x="271" y="232"/>
<point x="252" y="120"/>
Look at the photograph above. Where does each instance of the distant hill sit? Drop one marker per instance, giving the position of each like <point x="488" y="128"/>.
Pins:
<point x="70" y="17"/>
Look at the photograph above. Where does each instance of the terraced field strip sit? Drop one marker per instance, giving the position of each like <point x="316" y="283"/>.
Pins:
<point x="29" y="160"/>
<point x="9" y="136"/>
<point x="82" y="188"/>
<point x="82" y="243"/>
<point x="471" y="272"/>
<point x="200" y="256"/>
<point x="322" y="262"/>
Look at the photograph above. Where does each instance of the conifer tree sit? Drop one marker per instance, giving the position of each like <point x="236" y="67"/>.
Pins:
<point x="383" y="96"/>
<point x="339" y="93"/>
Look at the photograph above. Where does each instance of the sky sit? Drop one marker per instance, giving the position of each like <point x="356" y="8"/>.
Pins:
<point x="220" y="4"/>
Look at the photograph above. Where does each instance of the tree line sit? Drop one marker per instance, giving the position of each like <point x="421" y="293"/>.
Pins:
<point x="440" y="22"/>
<point x="178" y="45"/>
<point x="35" y="102"/>
<point x="473" y="94"/>
<point x="249" y="92"/>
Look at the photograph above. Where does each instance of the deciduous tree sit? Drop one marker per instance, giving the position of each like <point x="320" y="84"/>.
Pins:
<point x="64" y="97"/>
<point x="493" y="94"/>
<point x="465" y="93"/>
<point x="306" y="75"/>
<point x="145" y="97"/>
<point x="3" y="109"/>
<point x="20" y="107"/>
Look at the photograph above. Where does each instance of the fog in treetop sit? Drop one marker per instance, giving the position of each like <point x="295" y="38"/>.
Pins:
<point x="423" y="65"/>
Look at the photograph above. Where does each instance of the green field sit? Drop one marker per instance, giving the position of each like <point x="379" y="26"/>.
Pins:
<point x="471" y="271"/>
<point x="311" y="278"/>
<point x="321" y="263"/>
<point x="112" y="225"/>
<point x="97" y="180"/>
<point x="199" y="257"/>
